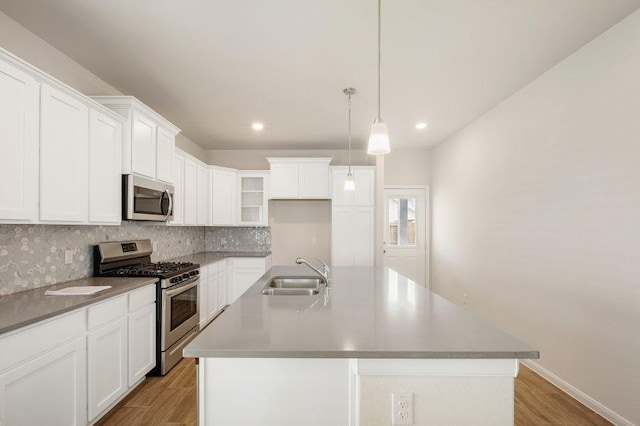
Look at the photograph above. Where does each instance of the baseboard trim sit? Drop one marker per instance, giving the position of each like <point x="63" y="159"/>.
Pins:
<point x="577" y="394"/>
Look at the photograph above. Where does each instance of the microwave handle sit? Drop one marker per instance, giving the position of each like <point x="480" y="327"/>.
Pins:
<point x="170" y="203"/>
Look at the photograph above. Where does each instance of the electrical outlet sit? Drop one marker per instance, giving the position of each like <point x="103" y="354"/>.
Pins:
<point x="314" y="240"/>
<point x="402" y="408"/>
<point x="465" y="299"/>
<point x="68" y="257"/>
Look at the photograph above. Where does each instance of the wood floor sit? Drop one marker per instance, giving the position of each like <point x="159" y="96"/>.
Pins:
<point x="171" y="400"/>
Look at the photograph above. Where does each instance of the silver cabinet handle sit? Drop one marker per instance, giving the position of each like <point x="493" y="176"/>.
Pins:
<point x="170" y="204"/>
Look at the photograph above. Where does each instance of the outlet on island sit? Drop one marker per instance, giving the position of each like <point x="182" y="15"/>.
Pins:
<point x="314" y="240"/>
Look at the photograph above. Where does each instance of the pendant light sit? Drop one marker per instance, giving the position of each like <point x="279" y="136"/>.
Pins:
<point x="349" y="184"/>
<point x="379" y="136"/>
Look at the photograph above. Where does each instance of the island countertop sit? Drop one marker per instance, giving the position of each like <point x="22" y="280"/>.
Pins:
<point x="367" y="313"/>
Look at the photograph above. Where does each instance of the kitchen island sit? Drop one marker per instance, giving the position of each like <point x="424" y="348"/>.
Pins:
<point x="337" y="357"/>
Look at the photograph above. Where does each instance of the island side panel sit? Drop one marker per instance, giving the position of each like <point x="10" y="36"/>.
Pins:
<point x="273" y="392"/>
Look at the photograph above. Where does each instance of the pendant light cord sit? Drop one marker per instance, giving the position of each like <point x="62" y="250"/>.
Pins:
<point x="379" y="54"/>
<point x="349" y="133"/>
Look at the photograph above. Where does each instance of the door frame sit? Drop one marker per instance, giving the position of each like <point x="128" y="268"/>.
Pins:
<point x="427" y="227"/>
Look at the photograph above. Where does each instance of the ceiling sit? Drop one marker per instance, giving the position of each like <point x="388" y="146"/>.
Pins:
<point x="213" y="67"/>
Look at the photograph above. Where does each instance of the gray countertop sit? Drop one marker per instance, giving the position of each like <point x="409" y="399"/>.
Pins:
<point x="206" y="257"/>
<point x="367" y="313"/>
<point x="28" y="307"/>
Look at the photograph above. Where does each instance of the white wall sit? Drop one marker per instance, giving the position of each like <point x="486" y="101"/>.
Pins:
<point x="407" y="167"/>
<point x="536" y="215"/>
<point x="26" y="45"/>
<point x="293" y="224"/>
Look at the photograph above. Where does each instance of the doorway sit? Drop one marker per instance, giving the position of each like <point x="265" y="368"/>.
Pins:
<point x="406" y="232"/>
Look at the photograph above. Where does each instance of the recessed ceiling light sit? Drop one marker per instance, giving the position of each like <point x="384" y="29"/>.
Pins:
<point x="421" y="126"/>
<point x="257" y="126"/>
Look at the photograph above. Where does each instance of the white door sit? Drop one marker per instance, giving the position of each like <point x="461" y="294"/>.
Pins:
<point x="222" y="284"/>
<point x="284" y="181"/>
<point x="212" y="292"/>
<point x="164" y="155"/>
<point x="178" y="190"/>
<point x="19" y="117"/>
<point x="314" y="181"/>
<point x="143" y="145"/>
<point x="405" y="232"/>
<point x="105" y="169"/>
<point x="342" y="236"/>
<point x="107" y="360"/>
<point x="64" y="158"/>
<point x="48" y="390"/>
<point x="203" y="300"/>
<point x="142" y="342"/>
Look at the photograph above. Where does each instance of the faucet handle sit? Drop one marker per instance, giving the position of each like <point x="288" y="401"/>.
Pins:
<point x="323" y="264"/>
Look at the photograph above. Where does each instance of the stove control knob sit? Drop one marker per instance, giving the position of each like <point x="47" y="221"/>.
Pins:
<point x="185" y="276"/>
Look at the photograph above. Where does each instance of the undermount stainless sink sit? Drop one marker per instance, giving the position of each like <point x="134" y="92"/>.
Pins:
<point x="293" y="286"/>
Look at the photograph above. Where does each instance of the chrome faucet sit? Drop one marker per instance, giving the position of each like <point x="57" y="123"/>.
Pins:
<point x="325" y="273"/>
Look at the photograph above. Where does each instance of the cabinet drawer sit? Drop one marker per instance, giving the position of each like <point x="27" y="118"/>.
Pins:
<point x="222" y="265"/>
<point x="249" y="262"/>
<point x="142" y="297"/>
<point x="46" y="335"/>
<point x="106" y="311"/>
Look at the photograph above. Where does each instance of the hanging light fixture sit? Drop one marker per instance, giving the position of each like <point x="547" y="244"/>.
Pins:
<point x="379" y="136"/>
<point x="349" y="184"/>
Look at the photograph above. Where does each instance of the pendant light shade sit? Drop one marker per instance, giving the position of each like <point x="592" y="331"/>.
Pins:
<point x="349" y="184"/>
<point x="379" y="136"/>
<point x="378" y="139"/>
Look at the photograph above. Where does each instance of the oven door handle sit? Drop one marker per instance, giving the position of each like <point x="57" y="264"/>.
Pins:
<point x="181" y="288"/>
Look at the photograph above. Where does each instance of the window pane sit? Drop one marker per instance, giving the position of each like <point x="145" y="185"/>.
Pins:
<point x="402" y="222"/>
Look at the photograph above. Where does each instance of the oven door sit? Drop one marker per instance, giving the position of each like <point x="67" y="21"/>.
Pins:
<point x="146" y="199"/>
<point x="179" y="312"/>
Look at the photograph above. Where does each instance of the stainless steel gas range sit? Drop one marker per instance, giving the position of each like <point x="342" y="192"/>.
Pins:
<point x="177" y="293"/>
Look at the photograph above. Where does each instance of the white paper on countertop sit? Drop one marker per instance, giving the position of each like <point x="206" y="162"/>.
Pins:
<point x="77" y="291"/>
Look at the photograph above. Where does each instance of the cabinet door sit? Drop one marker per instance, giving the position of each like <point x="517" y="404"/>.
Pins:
<point x="107" y="361"/>
<point x="212" y="302"/>
<point x="222" y="289"/>
<point x="314" y="181"/>
<point x="284" y="181"/>
<point x="340" y="197"/>
<point x="203" y="196"/>
<point x="363" y="235"/>
<point x="19" y="123"/>
<point x="165" y="143"/>
<point x="143" y="145"/>
<point x="252" y="200"/>
<point x="105" y="169"/>
<point x="48" y="390"/>
<point x="142" y="342"/>
<point x="222" y="193"/>
<point x="64" y="158"/>
<point x="190" y="192"/>
<point x="203" y="300"/>
<point x="178" y="188"/>
<point x="365" y="182"/>
<point x="342" y="236"/>
<point x="243" y="278"/>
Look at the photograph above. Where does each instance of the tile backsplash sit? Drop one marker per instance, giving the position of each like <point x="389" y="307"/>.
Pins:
<point x="238" y="239"/>
<point x="33" y="256"/>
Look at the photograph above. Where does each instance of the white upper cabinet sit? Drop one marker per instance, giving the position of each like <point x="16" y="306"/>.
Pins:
<point x="19" y="123"/>
<point x="190" y="192"/>
<point x="105" y="165"/>
<point x="143" y="145"/>
<point x="253" y="202"/>
<point x="223" y="189"/>
<point x="178" y="194"/>
<point x="64" y="156"/>
<point x="364" y="180"/>
<point x="148" y="138"/>
<point x="202" y="216"/>
<point x="299" y="178"/>
<point x="164" y="155"/>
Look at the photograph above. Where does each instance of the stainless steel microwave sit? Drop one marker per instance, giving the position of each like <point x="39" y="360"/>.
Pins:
<point x="146" y="199"/>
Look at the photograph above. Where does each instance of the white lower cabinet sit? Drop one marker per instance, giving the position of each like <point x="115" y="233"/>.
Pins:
<point x="222" y="284"/>
<point x="245" y="272"/>
<point x="213" y="290"/>
<point x="107" y="365"/>
<point x="69" y="369"/>
<point x="48" y="390"/>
